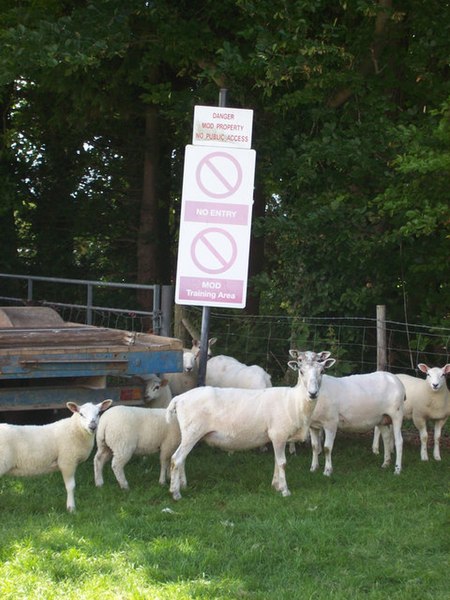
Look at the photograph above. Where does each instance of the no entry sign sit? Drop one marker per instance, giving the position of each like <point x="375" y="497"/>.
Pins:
<point x="215" y="226"/>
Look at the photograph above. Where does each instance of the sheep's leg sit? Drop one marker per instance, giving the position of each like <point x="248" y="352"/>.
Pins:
<point x="330" y="434"/>
<point x="117" y="465"/>
<point x="279" y="474"/>
<point x="421" y="425"/>
<point x="316" y="448"/>
<point x="376" y="440"/>
<point x="177" y="468"/>
<point x="385" y="433"/>
<point x="68" y="474"/>
<point x="396" y="429"/>
<point x="438" y="425"/>
<point x="102" y="455"/>
<point x="164" y="464"/>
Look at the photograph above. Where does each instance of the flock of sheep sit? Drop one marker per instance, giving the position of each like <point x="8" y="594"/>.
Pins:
<point x="237" y="409"/>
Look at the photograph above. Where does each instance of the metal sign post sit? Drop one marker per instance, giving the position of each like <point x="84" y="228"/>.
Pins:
<point x="206" y="309"/>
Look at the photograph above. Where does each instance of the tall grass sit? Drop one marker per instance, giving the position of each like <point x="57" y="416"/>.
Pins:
<point x="362" y="533"/>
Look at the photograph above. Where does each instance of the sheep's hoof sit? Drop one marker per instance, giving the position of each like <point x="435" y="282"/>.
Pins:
<point x="328" y="472"/>
<point x="176" y="496"/>
<point x="397" y="470"/>
<point x="285" y="493"/>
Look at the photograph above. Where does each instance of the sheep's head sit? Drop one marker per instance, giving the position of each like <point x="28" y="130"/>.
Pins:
<point x="310" y="371"/>
<point x="436" y="377"/>
<point x="89" y="414"/>
<point x="153" y="388"/>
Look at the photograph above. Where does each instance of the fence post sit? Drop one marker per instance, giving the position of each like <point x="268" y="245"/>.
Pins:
<point x="381" y="338"/>
<point x="166" y="310"/>
<point x="89" y="303"/>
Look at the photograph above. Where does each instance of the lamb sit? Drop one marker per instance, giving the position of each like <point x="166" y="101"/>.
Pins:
<point x="226" y="371"/>
<point x="62" y="445"/>
<point x="125" y="431"/>
<point x="241" y="419"/>
<point x="355" y="403"/>
<point x="157" y="391"/>
<point x="426" y="399"/>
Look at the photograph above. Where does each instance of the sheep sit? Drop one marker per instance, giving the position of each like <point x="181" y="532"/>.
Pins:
<point x="157" y="392"/>
<point x="188" y="378"/>
<point x="62" y="445"/>
<point x="125" y="431"/>
<point x="241" y="419"/>
<point x="226" y="371"/>
<point x="426" y="399"/>
<point x="355" y="403"/>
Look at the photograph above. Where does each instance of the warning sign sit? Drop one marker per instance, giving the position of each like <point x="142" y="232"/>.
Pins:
<point x="230" y="127"/>
<point x="215" y="227"/>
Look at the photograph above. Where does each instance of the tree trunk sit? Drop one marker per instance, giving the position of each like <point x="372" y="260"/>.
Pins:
<point x="147" y="242"/>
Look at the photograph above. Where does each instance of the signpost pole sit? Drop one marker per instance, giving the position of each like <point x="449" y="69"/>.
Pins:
<point x="206" y="309"/>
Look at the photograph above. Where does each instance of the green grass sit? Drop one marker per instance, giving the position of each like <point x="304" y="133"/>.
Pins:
<point x="363" y="533"/>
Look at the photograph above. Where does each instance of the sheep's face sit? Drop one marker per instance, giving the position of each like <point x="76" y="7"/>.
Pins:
<point x="310" y="374"/>
<point x="153" y="389"/>
<point x="195" y="352"/>
<point x="188" y="361"/>
<point x="436" y="377"/>
<point x="89" y="414"/>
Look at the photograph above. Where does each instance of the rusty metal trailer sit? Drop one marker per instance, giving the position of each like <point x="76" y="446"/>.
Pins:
<point x="46" y="361"/>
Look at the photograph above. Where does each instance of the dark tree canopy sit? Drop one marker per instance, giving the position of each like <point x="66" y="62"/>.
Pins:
<point x="351" y="129"/>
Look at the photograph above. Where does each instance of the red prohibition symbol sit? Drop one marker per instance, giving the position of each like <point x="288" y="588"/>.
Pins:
<point x="205" y="254"/>
<point x="219" y="175"/>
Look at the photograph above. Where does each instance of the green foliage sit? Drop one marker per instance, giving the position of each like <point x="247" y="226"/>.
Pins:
<point x="351" y="127"/>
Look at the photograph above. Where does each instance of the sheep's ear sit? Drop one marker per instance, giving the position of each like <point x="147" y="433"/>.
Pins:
<point x="164" y="382"/>
<point x="293" y="353"/>
<point x="423" y="367"/>
<point x="323" y="355"/>
<point x="212" y="341"/>
<point x="73" y="407"/>
<point x="105" y="404"/>
<point x="446" y="369"/>
<point x="293" y="364"/>
<point x="329" y="362"/>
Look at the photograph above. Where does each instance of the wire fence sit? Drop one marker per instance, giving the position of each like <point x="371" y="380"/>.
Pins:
<point x="266" y="339"/>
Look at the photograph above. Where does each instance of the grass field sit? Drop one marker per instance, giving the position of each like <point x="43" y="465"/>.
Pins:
<point x="363" y="533"/>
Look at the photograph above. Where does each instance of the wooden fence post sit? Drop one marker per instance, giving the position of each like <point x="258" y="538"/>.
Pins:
<point x="381" y="338"/>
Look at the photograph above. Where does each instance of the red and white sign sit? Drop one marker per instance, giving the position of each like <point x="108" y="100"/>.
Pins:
<point x="222" y="127"/>
<point x="215" y="226"/>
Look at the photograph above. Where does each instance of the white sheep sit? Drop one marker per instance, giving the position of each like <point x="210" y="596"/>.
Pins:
<point x="37" y="449"/>
<point x="426" y="400"/>
<point x="226" y="371"/>
<point x="355" y="403"/>
<point x="157" y="392"/>
<point x="188" y="378"/>
<point x="241" y="419"/>
<point x="125" y="431"/>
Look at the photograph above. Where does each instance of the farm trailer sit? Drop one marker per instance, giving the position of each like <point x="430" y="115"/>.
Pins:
<point x="46" y="361"/>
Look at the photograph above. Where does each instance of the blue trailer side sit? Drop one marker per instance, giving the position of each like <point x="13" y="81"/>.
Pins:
<point x="44" y="367"/>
